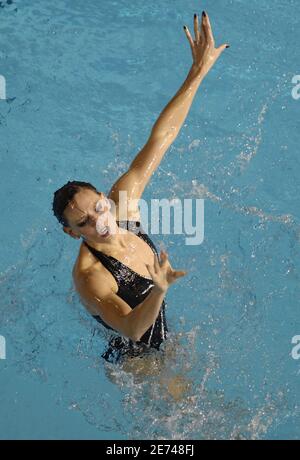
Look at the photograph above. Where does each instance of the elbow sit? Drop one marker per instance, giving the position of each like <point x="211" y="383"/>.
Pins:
<point x="135" y="338"/>
<point x="165" y="135"/>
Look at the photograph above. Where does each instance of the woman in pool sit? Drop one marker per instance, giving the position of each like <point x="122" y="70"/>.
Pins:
<point x="118" y="274"/>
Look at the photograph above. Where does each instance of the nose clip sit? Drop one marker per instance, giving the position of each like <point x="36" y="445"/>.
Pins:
<point x="105" y="219"/>
<point x="102" y="204"/>
<point x="100" y="223"/>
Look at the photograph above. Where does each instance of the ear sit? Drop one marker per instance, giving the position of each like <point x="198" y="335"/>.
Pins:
<point x="70" y="232"/>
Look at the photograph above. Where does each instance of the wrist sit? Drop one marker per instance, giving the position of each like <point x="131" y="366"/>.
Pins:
<point x="159" y="290"/>
<point x="197" y="72"/>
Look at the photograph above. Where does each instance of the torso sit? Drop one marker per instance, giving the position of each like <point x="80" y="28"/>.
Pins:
<point x="135" y="256"/>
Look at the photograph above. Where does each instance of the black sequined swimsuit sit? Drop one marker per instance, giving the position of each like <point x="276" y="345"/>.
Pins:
<point x="133" y="288"/>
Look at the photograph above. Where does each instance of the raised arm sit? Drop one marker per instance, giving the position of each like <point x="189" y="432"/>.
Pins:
<point x="169" y="122"/>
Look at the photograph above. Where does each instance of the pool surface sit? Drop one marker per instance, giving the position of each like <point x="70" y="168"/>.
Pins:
<point x="85" y="82"/>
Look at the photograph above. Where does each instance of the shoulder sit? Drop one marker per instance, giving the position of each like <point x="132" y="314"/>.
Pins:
<point x="89" y="273"/>
<point x="84" y="261"/>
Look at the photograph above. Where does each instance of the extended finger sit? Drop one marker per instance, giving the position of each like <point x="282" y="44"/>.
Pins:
<point x="222" y="48"/>
<point x="208" y="30"/>
<point x="196" y="28"/>
<point x="156" y="264"/>
<point x="164" y="258"/>
<point x="179" y="273"/>
<point x="190" y="38"/>
<point x="203" y="37"/>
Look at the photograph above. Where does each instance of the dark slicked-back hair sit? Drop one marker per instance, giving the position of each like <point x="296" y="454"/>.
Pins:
<point x="64" y="195"/>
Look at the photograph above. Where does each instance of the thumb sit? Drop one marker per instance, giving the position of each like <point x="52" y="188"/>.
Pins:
<point x="179" y="273"/>
<point x="150" y="270"/>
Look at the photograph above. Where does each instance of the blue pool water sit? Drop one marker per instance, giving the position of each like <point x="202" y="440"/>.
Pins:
<point x="85" y="81"/>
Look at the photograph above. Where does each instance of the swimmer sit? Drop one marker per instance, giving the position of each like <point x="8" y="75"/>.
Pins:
<point x="119" y="275"/>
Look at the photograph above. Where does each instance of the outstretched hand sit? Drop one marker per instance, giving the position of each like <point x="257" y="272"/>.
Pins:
<point x="203" y="46"/>
<point x="162" y="274"/>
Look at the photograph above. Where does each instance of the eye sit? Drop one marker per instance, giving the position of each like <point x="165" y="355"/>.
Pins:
<point x="82" y="224"/>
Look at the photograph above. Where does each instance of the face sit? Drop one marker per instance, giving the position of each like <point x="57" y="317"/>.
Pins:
<point x="89" y="217"/>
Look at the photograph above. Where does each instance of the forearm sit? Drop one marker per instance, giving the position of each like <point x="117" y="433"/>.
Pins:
<point x="173" y="115"/>
<point x="165" y="129"/>
<point x="144" y="315"/>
